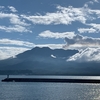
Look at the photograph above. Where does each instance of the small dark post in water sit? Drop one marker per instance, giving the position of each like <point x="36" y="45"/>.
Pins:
<point x="7" y="76"/>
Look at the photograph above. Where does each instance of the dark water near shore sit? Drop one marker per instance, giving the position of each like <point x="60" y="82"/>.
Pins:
<point x="49" y="91"/>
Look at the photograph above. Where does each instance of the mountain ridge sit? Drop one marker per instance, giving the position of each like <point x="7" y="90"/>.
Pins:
<point x="46" y="61"/>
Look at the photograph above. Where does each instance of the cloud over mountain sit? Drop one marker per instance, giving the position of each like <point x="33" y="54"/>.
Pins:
<point x="45" y="61"/>
<point x="16" y="43"/>
<point x="86" y="55"/>
<point x="7" y="52"/>
<point x="83" y="41"/>
<point x="42" y="25"/>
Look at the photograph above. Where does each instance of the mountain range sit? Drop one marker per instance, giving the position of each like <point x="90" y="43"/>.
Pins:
<point x="46" y="61"/>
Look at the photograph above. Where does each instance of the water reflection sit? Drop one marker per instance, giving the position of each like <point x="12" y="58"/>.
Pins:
<point x="52" y="76"/>
<point x="49" y="91"/>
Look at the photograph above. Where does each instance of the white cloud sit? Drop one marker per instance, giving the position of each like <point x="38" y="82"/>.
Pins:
<point x="89" y="54"/>
<point x="6" y="52"/>
<point x="83" y="41"/>
<point x="17" y="24"/>
<point x="16" y="43"/>
<point x="95" y="13"/>
<point x="87" y="3"/>
<point x="8" y="15"/>
<point x="62" y="16"/>
<point x="15" y="47"/>
<point x="65" y="15"/>
<point x="90" y="2"/>
<point x="13" y="18"/>
<point x="95" y="28"/>
<point x="16" y="28"/>
<point x="12" y="8"/>
<point x="56" y="35"/>
<point x="17" y="21"/>
<point x="87" y="30"/>
<point x="52" y="46"/>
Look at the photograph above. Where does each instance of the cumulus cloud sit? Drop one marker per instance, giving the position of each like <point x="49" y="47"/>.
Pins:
<point x="87" y="30"/>
<point x="95" y="28"/>
<point x="56" y="35"/>
<point x="52" y="46"/>
<point x="15" y="28"/>
<point x="14" y="18"/>
<point x="86" y="55"/>
<point x="64" y="15"/>
<point x="13" y="9"/>
<point x="95" y="14"/>
<point x="15" y="47"/>
<point x="6" y="52"/>
<point x="16" y="43"/>
<point x="83" y="41"/>
<point x="91" y="2"/>
<point x="16" y="23"/>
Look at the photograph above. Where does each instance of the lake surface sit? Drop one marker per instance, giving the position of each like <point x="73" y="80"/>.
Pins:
<point x="49" y="91"/>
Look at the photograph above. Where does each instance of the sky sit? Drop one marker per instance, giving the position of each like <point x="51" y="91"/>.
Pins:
<point x="67" y="24"/>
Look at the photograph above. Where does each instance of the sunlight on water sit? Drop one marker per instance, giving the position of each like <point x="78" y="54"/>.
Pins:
<point x="48" y="91"/>
<point x="48" y="76"/>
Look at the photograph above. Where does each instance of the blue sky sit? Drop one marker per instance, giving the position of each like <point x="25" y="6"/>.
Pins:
<point x="67" y="24"/>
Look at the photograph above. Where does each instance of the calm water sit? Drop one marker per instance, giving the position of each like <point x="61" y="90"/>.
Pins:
<point x="48" y="91"/>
